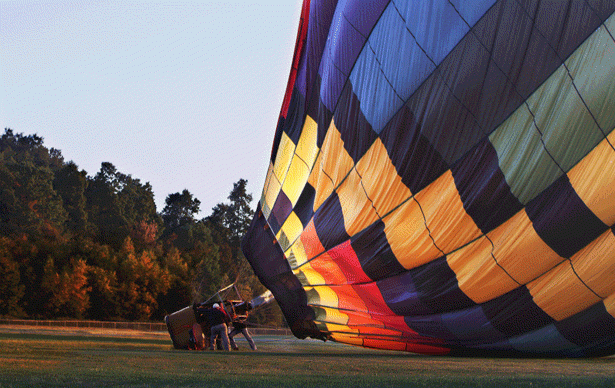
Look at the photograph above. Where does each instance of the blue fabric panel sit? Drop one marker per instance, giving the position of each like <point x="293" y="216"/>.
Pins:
<point x="437" y="286"/>
<point x="380" y="77"/>
<point x="401" y="295"/>
<point x="321" y="15"/>
<point x="436" y="25"/>
<point x="349" y="30"/>
<point x="354" y="129"/>
<point x="483" y="189"/>
<point x="563" y="220"/>
<point x="545" y="340"/>
<point x="515" y="313"/>
<point x="470" y="10"/>
<point x="374" y="252"/>
<point x="329" y="223"/>
<point x="429" y="326"/>
<point x="471" y="324"/>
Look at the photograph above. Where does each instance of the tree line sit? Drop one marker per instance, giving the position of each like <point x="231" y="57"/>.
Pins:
<point x="95" y="247"/>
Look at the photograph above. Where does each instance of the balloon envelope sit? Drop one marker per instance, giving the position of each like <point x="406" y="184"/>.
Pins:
<point x="442" y="178"/>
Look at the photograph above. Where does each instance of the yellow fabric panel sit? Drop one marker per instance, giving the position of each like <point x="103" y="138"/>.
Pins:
<point x="449" y="224"/>
<point x="320" y="182"/>
<point x="357" y="209"/>
<point x="408" y="237"/>
<point x="296" y="254"/>
<point x="516" y="245"/>
<point x="594" y="180"/>
<point x="331" y="316"/>
<point x="307" y="148"/>
<point x="273" y="189"/>
<point x="328" y="297"/>
<point x="264" y="205"/>
<point x="609" y="304"/>
<point x="292" y="228"/>
<point x="336" y="162"/>
<point x="286" y="150"/>
<point x="295" y="179"/>
<point x="595" y="264"/>
<point x="560" y="293"/>
<point x="382" y="183"/>
<point x="345" y="338"/>
<point x="311" y="275"/>
<point x="478" y="275"/>
<point x="591" y="68"/>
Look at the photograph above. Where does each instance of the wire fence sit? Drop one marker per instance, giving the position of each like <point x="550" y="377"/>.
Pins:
<point x="140" y="326"/>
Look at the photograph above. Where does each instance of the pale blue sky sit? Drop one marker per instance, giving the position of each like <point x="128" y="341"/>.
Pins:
<point x="181" y="94"/>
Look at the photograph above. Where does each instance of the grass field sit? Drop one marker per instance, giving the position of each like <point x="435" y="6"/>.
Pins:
<point x="35" y="358"/>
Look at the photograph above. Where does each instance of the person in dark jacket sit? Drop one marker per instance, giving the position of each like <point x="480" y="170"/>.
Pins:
<point x="218" y="320"/>
<point x="239" y="326"/>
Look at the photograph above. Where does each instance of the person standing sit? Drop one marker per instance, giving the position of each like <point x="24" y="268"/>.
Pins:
<point x="239" y="326"/>
<point x="218" y="320"/>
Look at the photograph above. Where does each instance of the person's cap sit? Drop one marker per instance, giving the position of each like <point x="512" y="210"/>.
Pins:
<point x="216" y="305"/>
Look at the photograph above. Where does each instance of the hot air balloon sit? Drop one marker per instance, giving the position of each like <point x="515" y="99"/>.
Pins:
<point x="442" y="178"/>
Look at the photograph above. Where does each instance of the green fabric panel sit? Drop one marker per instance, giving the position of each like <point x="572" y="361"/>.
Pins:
<point x="593" y="69"/>
<point x="527" y="167"/>
<point x="555" y="127"/>
<point x="568" y="130"/>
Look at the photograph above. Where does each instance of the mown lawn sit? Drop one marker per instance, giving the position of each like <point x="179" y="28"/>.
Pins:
<point x="54" y="360"/>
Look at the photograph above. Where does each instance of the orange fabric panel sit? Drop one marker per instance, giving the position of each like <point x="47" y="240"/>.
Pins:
<point x="408" y="237"/>
<point x="382" y="183"/>
<point x="328" y="269"/>
<point x="357" y="209"/>
<point x="478" y="274"/>
<point x="321" y="183"/>
<point x="593" y="179"/>
<point x="310" y="241"/>
<point x="336" y="161"/>
<point x="609" y="304"/>
<point x="449" y="224"/>
<point x="595" y="264"/>
<point x="516" y="244"/>
<point x="560" y="293"/>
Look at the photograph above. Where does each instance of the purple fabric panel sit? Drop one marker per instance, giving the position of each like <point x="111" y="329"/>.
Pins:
<point x="361" y="20"/>
<point x="401" y="296"/>
<point x="471" y="325"/>
<point x="272" y="269"/>
<point x="321" y="15"/>
<point x="430" y="326"/>
<point x="562" y="219"/>
<point x="281" y="209"/>
<point x="483" y="189"/>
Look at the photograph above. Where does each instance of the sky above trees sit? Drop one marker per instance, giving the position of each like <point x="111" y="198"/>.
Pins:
<point x="181" y="94"/>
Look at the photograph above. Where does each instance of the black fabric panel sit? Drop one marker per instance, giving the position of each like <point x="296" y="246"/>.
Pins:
<point x="329" y="223"/>
<point x="277" y="138"/>
<point x="515" y="313"/>
<point x="483" y="189"/>
<point x="592" y="329"/>
<point x="281" y="210"/>
<point x="356" y="132"/>
<point x="562" y="219"/>
<point x="295" y="117"/>
<point x="374" y="252"/>
<point x="304" y="208"/>
<point x="437" y="287"/>
<point x="415" y="160"/>
<point x="272" y="269"/>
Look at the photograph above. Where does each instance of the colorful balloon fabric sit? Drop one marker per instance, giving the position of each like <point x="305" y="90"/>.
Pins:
<point x="442" y="178"/>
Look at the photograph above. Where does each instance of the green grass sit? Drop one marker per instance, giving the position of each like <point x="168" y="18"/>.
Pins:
<point x="53" y="360"/>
